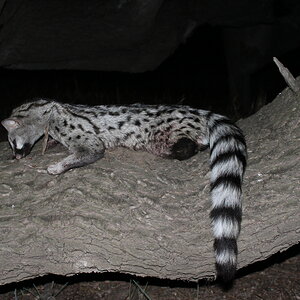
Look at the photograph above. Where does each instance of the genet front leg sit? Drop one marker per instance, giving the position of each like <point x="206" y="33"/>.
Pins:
<point x="80" y="158"/>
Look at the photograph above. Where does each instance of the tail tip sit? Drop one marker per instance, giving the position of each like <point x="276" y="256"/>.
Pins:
<point x="226" y="272"/>
<point x="226" y="258"/>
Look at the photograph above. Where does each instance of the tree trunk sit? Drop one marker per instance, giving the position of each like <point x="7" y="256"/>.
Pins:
<point x="135" y="213"/>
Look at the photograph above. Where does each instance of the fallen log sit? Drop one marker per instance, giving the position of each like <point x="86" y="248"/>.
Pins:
<point x="135" y="213"/>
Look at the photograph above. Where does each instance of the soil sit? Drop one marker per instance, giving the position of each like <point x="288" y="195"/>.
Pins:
<point x="276" y="278"/>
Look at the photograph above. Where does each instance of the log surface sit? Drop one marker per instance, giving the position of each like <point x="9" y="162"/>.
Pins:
<point x="135" y="213"/>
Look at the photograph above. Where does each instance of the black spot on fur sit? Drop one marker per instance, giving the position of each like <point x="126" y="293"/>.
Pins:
<point x="65" y="123"/>
<point x="149" y="114"/>
<point x="120" y="124"/>
<point x="96" y="129"/>
<point x="128" y="135"/>
<point x="137" y="123"/>
<point x="78" y="137"/>
<point x="57" y="129"/>
<point x="114" y="113"/>
<point x="72" y="126"/>
<point x="191" y="125"/>
<point x="158" y="132"/>
<point x="111" y="128"/>
<point x="183" y="149"/>
<point x="45" y="112"/>
<point x="80" y="127"/>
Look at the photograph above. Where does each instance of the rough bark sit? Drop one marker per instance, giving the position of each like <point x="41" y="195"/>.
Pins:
<point x="135" y="213"/>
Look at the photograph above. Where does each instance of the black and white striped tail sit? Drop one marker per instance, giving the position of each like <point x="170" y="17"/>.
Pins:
<point x="228" y="162"/>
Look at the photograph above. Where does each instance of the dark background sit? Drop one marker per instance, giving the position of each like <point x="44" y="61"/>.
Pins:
<point x="194" y="71"/>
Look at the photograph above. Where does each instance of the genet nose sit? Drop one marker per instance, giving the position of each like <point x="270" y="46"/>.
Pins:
<point x="20" y="153"/>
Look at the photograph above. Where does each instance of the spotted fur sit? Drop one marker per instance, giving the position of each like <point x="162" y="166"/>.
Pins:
<point x="177" y="132"/>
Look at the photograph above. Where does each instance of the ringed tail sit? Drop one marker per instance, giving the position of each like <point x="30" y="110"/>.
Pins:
<point x="228" y="154"/>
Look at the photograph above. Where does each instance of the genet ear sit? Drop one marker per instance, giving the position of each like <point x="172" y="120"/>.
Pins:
<point x="11" y="124"/>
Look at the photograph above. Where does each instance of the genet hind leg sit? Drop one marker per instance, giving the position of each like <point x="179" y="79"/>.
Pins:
<point x="184" y="148"/>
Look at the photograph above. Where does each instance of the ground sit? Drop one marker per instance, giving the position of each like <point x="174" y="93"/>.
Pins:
<point x="277" y="278"/>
